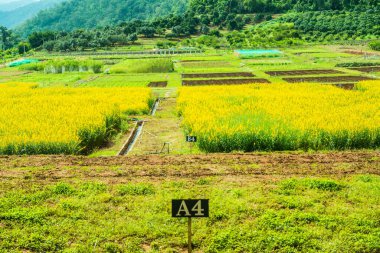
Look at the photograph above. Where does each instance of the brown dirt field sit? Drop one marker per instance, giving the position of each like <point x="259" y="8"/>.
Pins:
<point x="327" y="79"/>
<point x="303" y="72"/>
<point x="337" y="164"/>
<point x="213" y="75"/>
<point x="13" y="73"/>
<point x="367" y="69"/>
<point x="223" y="81"/>
<point x="158" y="84"/>
<point x="357" y="52"/>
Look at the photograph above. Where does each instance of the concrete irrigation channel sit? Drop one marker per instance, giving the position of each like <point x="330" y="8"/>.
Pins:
<point x="136" y="132"/>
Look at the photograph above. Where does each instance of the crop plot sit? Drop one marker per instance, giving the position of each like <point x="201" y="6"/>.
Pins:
<point x="128" y="80"/>
<point x="303" y="72"/>
<point x="66" y="203"/>
<point x="261" y="117"/>
<point x="205" y="64"/>
<point x="367" y="69"/>
<point x="64" y="120"/>
<point x="327" y="79"/>
<point x="155" y="65"/>
<point x="216" y="75"/>
<point x="223" y="81"/>
<point x="116" y="81"/>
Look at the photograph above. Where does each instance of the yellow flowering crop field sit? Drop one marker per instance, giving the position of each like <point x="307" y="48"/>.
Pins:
<point x="279" y="117"/>
<point x="64" y="120"/>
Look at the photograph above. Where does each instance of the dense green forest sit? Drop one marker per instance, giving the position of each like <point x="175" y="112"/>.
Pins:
<point x="336" y="25"/>
<point x="249" y="23"/>
<point x="216" y="11"/>
<point x="73" y="14"/>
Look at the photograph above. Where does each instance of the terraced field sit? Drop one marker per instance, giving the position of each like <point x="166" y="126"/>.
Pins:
<point x="310" y="197"/>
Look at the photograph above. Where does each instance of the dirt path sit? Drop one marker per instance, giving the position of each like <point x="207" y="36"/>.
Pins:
<point x="334" y="164"/>
<point x="162" y="132"/>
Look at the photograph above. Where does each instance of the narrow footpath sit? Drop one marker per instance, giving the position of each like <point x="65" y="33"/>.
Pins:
<point x="162" y="133"/>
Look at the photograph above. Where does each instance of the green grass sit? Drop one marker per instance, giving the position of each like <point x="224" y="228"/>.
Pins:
<point x="154" y="65"/>
<point x="125" y="215"/>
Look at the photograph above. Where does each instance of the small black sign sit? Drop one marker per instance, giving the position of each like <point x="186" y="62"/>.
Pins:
<point x="191" y="138"/>
<point x="196" y="208"/>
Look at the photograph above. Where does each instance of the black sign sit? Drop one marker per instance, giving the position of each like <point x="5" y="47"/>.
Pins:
<point x="196" y="208"/>
<point x="191" y="138"/>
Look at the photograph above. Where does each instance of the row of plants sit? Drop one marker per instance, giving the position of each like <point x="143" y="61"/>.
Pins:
<point x="62" y="66"/>
<point x="260" y="117"/>
<point x="64" y="120"/>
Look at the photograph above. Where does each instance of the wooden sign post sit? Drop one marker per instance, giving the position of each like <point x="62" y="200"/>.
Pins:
<point x="190" y="208"/>
<point x="191" y="140"/>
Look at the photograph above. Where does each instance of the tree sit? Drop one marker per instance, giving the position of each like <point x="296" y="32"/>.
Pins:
<point x="23" y="47"/>
<point x="37" y="39"/>
<point x="375" y="45"/>
<point x="204" y="29"/>
<point x="132" y="37"/>
<point x="147" y="31"/>
<point x="7" y="40"/>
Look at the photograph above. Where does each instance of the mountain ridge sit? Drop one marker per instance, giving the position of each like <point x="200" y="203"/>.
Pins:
<point x="14" y="17"/>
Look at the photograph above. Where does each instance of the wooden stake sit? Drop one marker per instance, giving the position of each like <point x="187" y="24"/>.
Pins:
<point x="189" y="235"/>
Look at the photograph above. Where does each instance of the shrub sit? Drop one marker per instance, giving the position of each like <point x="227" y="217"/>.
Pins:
<point x="62" y="66"/>
<point x="375" y="45"/>
<point x="324" y="185"/>
<point x="63" y="189"/>
<point x="136" y="189"/>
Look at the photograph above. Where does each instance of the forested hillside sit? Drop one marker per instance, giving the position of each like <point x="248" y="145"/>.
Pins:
<point x="83" y="25"/>
<point x="253" y="6"/>
<point x="231" y="14"/>
<point x="94" y="13"/>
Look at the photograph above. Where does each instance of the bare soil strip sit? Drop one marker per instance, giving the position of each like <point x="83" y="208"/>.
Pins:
<point x="14" y="73"/>
<point x="346" y="86"/>
<point x="158" y="84"/>
<point x="223" y="81"/>
<point x="213" y="75"/>
<point x="367" y="69"/>
<point x="339" y="164"/>
<point x="303" y="72"/>
<point x="357" y="52"/>
<point x="327" y="79"/>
